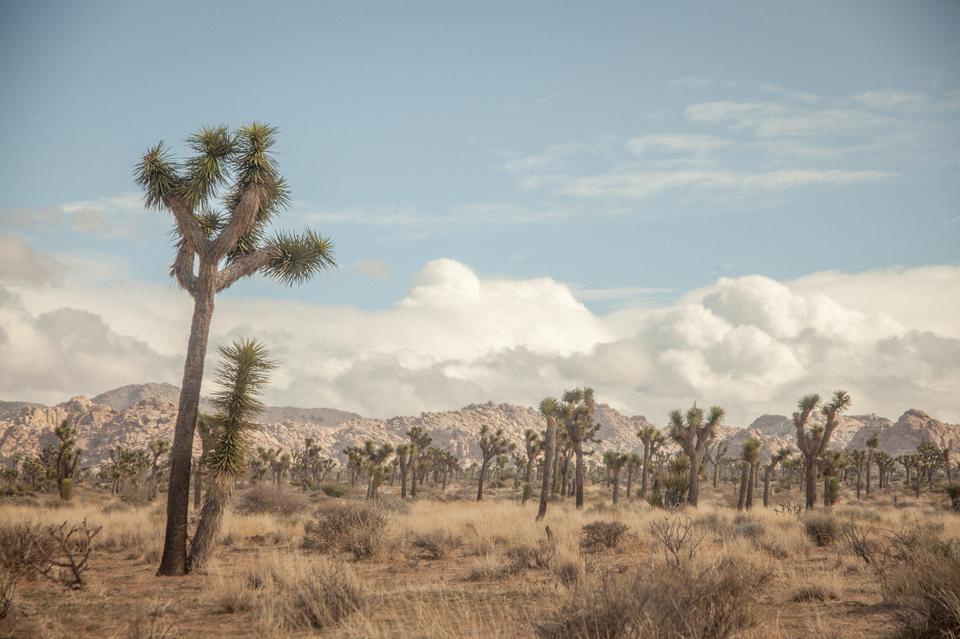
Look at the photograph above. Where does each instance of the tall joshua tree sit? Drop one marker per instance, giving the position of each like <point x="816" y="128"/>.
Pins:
<point x="577" y="413"/>
<point x="532" y="446"/>
<point x="403" y="460"/>
<point x="492" y="445"/>
<point x="243" y="375"/>
<point x="420" y="442"/>
<point x="814" y="442"/>
<point x="872" y="444"/>
<point x="652" y="440"/>
<point x="67" y="457"/>
<point x="694" y="433"/>
<point x="550" y="409"/>
<point x="216" y="246"/>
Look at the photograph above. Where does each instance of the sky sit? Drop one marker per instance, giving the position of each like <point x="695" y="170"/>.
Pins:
<point x="733" y="203"/>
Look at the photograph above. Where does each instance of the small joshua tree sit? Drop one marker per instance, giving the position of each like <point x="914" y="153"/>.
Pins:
<point x="814" y="442"/>
<point x="67" y="457"/>
<point x="214" y="250"/>
<point x="577" y="415"/>
<point x="373" y="465"/>
<point x="748" y="457"/>
<point x="858" y="458"/>
<point x="492" y="446"/>
<point x="403" y="460"/>
<point x="694" y="433"/>
<point x="420" y="442"/>
<point x="158" y="448"/>
<point x="243" y="376"/>
<point x="781" y="455"/>
<point x="872" y="444"/>
<point x="615" y="463"/>
<point x="532" y="446"/>
<point x="652" y="440"/>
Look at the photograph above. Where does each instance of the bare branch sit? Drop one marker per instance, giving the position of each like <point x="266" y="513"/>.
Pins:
<point x="242" y="220"/>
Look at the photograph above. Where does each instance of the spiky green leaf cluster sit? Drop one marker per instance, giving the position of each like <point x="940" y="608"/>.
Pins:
<point x="243" y="375"/>
<point x="157" y="175"/>
<point x="297" y="258"/>
<point x="209" y="168"/>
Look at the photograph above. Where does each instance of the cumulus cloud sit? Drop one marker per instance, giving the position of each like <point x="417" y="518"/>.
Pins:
<point x="19" y="263"/>
<point x="750" y="343"/>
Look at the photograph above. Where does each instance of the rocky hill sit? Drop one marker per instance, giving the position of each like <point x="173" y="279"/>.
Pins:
<point x="133" y="415"/>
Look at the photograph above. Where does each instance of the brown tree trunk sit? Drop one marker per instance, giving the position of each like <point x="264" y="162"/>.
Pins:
<point x="526" y="481"/>
<point x="616" y="486"/>
<point x="869" y="464"/>
<point x="750" y="484"/>
<point x="483" y="471"/>
<point x="578" y="488"/>
<point x="744" y="479"/>
<point x="693" y="491"/>
<point x="810" y="482"/>
<point x="766" y="485"/>
<point x="644" y="473"/>
<point x="174" y="560"/>
<point x="208" y="528"/>
<point x="549" y="453"/>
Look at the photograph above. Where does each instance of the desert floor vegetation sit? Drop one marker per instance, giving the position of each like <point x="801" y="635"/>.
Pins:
<point x="445" y="565"/>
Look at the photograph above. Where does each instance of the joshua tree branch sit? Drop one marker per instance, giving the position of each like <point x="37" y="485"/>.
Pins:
<point x="242" y="220"/>
<point x="244" y="266"/>
<point x="182" y="268"/>
<point x="187" y="224"/>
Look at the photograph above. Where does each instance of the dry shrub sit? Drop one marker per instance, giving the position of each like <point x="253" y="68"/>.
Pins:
<point x="522" y="557"/>
<point x="815" y="592"/>
<point x="858" y="541"/>
<point x="435" y="544"/>
<point x="747" y="527"/>
<point x="663" y="602"/>
<point x="333" y="489"/>
<point x="678" y="537"/>
<point x="920" y="579"/>
<point x="274" y="500"/>
<point x="24" y="549"/>
<point x="822" y="528"/>
<point x="568" y="570"/>
<point x="600" y="535"/>
<point x="355" y="528"/>
<point x="290" y="593"/>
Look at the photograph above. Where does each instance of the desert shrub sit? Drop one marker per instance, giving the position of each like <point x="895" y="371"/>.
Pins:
<point x="822" y="528"/>
<point x="568" y="570"/>
<point x="435" y="544"/>
<point x="483" y="569"/>
<point x="293" y="593"/>
<point x="521" y="557"/>
<point x="264" y="498"/>
<point x="333" y="489"/>
<point x="715" y="602"/>
<point x="920" y="579"/>
<point x="355" y="528"/>
<point x="815" y="592"/>
<point x="748" y="527"/>
<point x="857" y="539"/>
<point x="24" y="549"/>
<point x="953" y="492"/>
<point x="678" y="538"/>
<point x="773" y="547"/>
<point x="599" y="535"/>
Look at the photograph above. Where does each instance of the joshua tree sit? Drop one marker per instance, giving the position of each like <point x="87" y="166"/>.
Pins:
<point x="550" y="409"/>
<point x="749" y="456"/>
<point x="67" y="457"/>
<point x="884" y="464"/>
<point x="577" y="414"/>
<point x="814" y="443"/>
<point x="780" y="456"/>
<point x="652" y="440"/>
<point x="716" y="455"/>
<point x="214" y="250"/>
<point x="492" y="445"/>
<point x="859" y="458"/>
<point x="243" y="375"/>
<point x="614" y="463"/>
<point x="693" y="433"/>
<point x="633" y="467"/>
<point x="373" y="463"/>
<point x="532" y="446"/>
<point x="872" y="445"/>
<point x="403" y="458"/>
<point x="833" y="463"/>
<point x="419" y="443"/>
<point x="158" y="448"/>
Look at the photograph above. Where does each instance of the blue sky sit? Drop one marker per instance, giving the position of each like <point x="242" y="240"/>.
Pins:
<point x="638" y="159"/>
<point x="398" y="123"/>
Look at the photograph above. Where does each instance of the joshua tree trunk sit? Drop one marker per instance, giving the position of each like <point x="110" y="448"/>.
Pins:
<point x="693" y="492"/>
<point x="869" y="465"/>
<point x="211" y="518"/>
<point x="616" y="486"/>
<point x="716" y="473"/>
<point x="752" y="481"/>
<point x="578" y="488"/>
<point x="744" y="479"/>
<point x="549" y="455"/>
<point x="629" y="481"/>
<point x="483" y="472"/>
<point x="644" y="473"/>
<point x="555" y="472"/>
<point x="527" y="490"/>
<point x="197" y="485"/>
<point x="173" y="561"/>
<point x="766" y="485"/>
<point x="810" y="481"/>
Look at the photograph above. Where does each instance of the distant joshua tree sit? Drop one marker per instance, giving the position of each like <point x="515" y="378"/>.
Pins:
<point x="214" y="250"/>
<point x="158" y="448"/>
<point x="858" y="459"/>
<point x="492" y="445"/>
<point x="652" y="440"/>
<point x="748" y="457"/>
<point x="420" y="442"/>
<point x="403" y="459"/>
<point x="781" y="455"/>
<point x="532" y="446"/>
<point x="243" y="376"/>
<point x="577" y="415"/>
<point x="814" y="442"/>
<point x="67" y="457"/>
<point x="550" y="409"/>
<point x="872" y="444"/>
<point x="694" y="433"/>
<point x="615" y="462"/>
<point x="374" y="459"/>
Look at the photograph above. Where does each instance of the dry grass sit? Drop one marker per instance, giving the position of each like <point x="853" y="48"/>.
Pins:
<point x="459" y="568"/>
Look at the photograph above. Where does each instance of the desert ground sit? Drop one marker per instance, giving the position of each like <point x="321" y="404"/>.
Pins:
<point x="292" y="563"/>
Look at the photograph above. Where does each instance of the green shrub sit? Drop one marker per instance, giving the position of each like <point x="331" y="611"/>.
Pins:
<point x="332" y="489"/>
<point x="66" y="489"/>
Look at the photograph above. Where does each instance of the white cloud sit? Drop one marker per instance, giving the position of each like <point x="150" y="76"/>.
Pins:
<point x="117" y="215"/>
<point x="750" y="343"/>
<point x="19" y="263"/>
<point x="778" y="119"/>
<point x="696" y="144"/>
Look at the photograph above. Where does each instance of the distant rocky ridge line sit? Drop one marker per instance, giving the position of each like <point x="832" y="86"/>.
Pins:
<point x="133" y="415"/>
